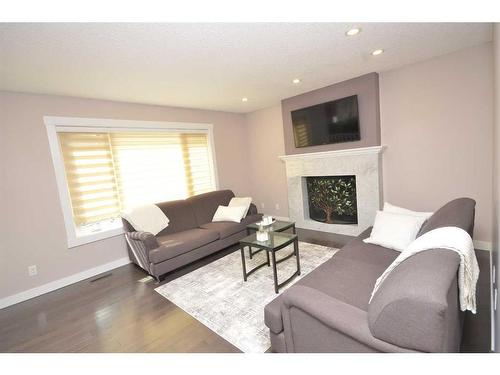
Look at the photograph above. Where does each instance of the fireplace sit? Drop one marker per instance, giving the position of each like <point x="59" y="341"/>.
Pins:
<point x="332" y="199"/>
<point x="362" y="164"/>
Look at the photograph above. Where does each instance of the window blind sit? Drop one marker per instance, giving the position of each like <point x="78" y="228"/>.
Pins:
<point x="111" y="172"/>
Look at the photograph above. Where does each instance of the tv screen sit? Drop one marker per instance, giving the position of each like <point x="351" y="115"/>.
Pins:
<point x="332" y="122"/>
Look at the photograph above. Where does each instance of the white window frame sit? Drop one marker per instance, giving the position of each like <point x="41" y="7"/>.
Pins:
<point x="55" y="124"/>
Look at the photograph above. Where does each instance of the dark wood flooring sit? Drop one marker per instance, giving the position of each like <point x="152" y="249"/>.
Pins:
<point x="114" y="312"/>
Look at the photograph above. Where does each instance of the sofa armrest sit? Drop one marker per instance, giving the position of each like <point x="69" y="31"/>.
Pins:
<point x="304" y="308"/>
<point x="140" y="244"/>
<point x="148" y="239"/>
<point x="417" y="304"/>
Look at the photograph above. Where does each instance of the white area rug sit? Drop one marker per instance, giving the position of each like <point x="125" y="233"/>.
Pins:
<point x="217" y="296"/>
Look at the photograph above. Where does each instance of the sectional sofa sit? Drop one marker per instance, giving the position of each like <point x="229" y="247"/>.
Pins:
<point x="416" y="309"/>
<point x="190" y="235"/>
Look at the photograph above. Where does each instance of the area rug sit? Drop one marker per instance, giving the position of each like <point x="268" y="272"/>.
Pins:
<point x="217" y="296"/>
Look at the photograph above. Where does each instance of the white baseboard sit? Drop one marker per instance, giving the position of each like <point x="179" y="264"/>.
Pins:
<point x="482" y="245"/>
<point x="61" y="283"/>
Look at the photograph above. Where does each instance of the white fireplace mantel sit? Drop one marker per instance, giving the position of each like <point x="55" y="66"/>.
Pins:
<point x="364" y="163"/>
<point x="329" y="154"/>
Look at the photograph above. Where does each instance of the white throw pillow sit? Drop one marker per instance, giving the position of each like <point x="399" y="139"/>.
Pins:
<point x="225" y="213"/>
<point x="400" y="210"/>
<point x="394" y="231"/>
<point x="147" y="218"/>
<point x="241" y="202"/>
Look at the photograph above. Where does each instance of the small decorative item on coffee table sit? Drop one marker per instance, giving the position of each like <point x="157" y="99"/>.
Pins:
<point x="276" y="242"/>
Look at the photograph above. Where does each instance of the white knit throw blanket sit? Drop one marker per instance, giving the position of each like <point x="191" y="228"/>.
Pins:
<point x="451" y="238"/>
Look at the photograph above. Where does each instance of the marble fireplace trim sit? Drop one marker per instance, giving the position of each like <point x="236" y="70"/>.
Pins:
<point x="365" y="163"/>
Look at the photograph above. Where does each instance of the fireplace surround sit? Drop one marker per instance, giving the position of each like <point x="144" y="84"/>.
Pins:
<point x="364" y="164"/>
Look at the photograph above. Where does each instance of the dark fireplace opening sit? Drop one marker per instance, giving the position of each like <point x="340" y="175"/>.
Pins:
<point x="332" y="199"/>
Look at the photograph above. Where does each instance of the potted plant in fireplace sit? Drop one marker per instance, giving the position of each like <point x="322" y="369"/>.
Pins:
<point x="332" y="199"/>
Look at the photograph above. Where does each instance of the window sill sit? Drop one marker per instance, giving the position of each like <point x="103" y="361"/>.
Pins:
<point x="96" y="233"/>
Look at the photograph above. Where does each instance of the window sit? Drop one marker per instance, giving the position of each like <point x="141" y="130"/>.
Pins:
<point x="108" y="170"/>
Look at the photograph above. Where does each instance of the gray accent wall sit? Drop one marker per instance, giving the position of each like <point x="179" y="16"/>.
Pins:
<point x="366" y="87"/>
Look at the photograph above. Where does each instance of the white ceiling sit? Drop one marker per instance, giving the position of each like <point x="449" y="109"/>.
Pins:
<point x="212" y="66"/>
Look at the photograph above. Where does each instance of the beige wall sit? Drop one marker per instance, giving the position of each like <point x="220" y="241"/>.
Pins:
<point x="32" y="227"/>
<point x="265" y="143"/>
<point x="495" y="254"/>
<point x="436" y="120"/>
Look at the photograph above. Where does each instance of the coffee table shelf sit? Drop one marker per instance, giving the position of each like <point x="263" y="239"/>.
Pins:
<point x="276" y="242"/>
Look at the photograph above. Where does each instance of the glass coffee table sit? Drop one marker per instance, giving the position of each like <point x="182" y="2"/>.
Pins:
<point x="276" y="242"/>
<point x="277" y="226"/>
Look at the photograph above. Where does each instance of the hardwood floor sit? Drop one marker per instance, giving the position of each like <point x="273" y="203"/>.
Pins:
<point x="114" y="312"/>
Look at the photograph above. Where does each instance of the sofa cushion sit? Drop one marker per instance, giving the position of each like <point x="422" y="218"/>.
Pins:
<point x="146" y="218"/>
<point x="224" y="228"/>
<point x="226" y="213"/>
<point x="344" y="279"/>
<point x="395" y="230"/>
<point x="400" y="210"/>
<point x="457" y="213"/>
<point x="174" y="244"/>
<point x="350" y="281"/>
<point x="205" y="205"/>
<point x="357" y="250"/>
<point x="228" y="228"/>
<point x="180" y="214"/>
<point x="241" y="201"/>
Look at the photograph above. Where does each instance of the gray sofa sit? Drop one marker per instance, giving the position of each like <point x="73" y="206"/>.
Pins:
<point x="190" y="235"/>
<point x="416" y="309"/>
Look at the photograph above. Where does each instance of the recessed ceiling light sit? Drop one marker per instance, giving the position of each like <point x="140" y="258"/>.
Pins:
<point x="353" y="31"/>
<point x="377" y="52"/>
<point x="296" y="81"/>
<point x="244" y="99"/>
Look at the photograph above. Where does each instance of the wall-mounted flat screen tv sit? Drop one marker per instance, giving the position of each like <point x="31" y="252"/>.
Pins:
<point x="332" y="122"/>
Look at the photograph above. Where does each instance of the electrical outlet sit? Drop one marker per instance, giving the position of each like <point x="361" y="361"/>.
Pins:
<point x="32" y="271"/>
<point x="262" y="205"/>
<point x="277" y="207"/>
